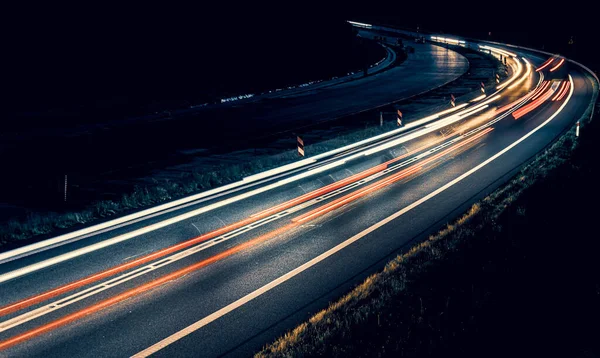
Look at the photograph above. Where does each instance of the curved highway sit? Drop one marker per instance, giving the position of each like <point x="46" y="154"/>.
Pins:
<point x="35" y="155"/>
<point x="224" y="273"/>
<point x="428" y="68"/>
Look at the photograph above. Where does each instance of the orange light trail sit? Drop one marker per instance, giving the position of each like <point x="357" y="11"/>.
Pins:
<point x="533" y="93"/>
<point x="172" y="249"/>
<point x="560" y="91"/>
<point x="545" y="64"/>
<point x="341" y="183"/>
<point x="184" y="271"/>
<point x="533" y="105"/>
<point x="354" y="196"/>
<point x="541" y="91"/>
<point x="565" y="92"/>
<point x="416" y="150"/>
<point x="27" y="302"/>
<point x="326" y="189"/>
<point x="562" y="60"/>
<point x="138" y="290"/>
<point x="120" y="268"/>
<point x="376" y="186"/>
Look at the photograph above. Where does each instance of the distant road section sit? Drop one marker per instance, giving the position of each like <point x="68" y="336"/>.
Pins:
<point x="429" y="67"/>
<point x="223" y="274"/>
<point x="36" y="157"/>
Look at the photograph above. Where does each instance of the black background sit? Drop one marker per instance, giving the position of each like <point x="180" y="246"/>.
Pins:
<point x="98" y="56"/>
<point x="68" y="64"/>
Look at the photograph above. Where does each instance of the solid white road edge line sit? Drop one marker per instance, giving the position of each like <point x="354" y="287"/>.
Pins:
<point x="102" y="244"/>
<point x="6" y="256"/>
<point x="240" y="302"/>
<point x="144" y="270"/>
<point x="161" y="224"/>
<point x="150" y="212"/>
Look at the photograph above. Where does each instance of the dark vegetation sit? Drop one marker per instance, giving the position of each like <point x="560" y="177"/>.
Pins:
<point x="39" y="225"/>
<point x="76" y="76"/>
<point x="106" y="65"/>
<point x="13" y="232"/>
<point x="570" y="36"/>
<point x="515" y="276"/>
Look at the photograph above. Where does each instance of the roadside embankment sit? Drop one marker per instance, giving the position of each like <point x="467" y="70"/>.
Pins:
<point x="153" y="191"/>
<point x="515" y="275"/>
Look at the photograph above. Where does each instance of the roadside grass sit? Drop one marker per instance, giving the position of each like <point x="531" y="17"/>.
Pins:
<point x="36" y="226"/>
<point x="442" y="296"/>
<point x="160" y="191"/>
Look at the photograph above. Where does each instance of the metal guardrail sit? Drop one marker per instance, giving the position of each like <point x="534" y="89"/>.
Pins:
<point x="417" y="34"/>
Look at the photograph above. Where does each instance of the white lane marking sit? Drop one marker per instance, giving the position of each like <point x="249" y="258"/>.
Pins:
<point x="47" y="244"/>
<point x="98" y="288"/>
<point x="249" y="297"/>
<point x="70" y="255"/>
<point x="115" y="281"/>
<point x="128" y="219"/>
<point x="429" y="128"/>
<point x="19" y="252"/>
<point x="120" y="238"/>
<point x="365" y="151"/>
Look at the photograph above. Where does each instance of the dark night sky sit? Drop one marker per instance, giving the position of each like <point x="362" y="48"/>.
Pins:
<point x="81" y="63"/>
<point x="81" y="53"/>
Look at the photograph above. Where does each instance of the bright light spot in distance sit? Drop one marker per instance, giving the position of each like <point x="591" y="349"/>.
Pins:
<point x="498" y="51"/>
<point x="360" y="24"/>
<point x="445" y="39"/>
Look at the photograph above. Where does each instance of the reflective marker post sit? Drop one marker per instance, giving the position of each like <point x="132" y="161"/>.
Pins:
<point x="577" y="130"/>
<point x="300" y="146"/>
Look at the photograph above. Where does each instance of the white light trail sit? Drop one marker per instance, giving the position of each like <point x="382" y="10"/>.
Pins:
<point x="430" y="127"/>
<point x="360" y="24"/>
<point x="478" y="98"/>
<point x="269" y="286"/>
<point x="525" y="76"/>
<point x="514" y="76"/>
<point x="498" y="51"/>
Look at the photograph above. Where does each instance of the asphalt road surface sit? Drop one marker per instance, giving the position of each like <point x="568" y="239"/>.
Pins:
<point x="36" y="157"/>
<point x="262" y="257"/>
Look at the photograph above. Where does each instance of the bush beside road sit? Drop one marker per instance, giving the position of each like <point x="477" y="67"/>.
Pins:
<point x="515" y="275"/>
